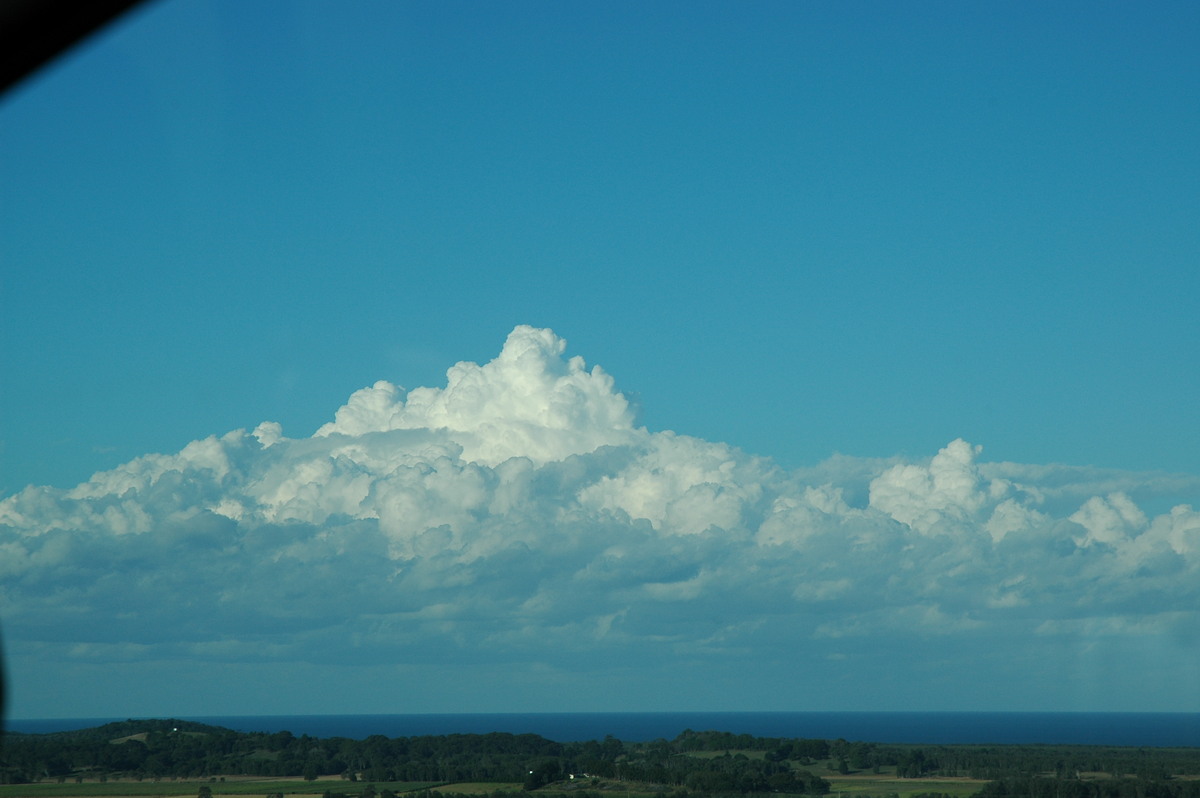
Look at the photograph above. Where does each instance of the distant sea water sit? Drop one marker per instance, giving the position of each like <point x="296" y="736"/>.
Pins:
<point x="1157" y="729"/>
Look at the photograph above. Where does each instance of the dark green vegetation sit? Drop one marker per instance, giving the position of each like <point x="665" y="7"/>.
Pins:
<point x="150" y="757"/>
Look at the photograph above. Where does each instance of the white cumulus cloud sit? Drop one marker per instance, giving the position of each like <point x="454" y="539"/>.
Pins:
<point x="519" y="514"/>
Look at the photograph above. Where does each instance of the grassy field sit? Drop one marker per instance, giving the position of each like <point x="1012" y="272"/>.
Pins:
<point x="243" y="788"/>
<point x="480" y="787"/>
<point x="842" y="787"/>
<point x="885" y="784"/>
<point x="854" y="785"/>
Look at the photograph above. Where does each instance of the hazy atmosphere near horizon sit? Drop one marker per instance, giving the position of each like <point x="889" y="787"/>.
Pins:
<point x="389" y="357"/>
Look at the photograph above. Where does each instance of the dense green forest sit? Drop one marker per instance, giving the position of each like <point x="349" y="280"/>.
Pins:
<point x="707" y="762"/>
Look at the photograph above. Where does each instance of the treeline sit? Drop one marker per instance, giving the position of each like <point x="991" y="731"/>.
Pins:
<point x="705" y="762"/>
<point x="182" y="749"/>
<point x="984" y="762"/>
<point x="156" y="749"/>
<point x="1062" y="761"/>
<point x="1047" y="787"/>
<point x="674" y="764"/>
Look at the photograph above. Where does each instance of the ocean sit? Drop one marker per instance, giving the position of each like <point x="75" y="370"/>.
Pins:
<point x="1154" y="729"/>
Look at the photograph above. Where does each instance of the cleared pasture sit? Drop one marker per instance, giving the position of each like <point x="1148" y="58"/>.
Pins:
<point x="887" y="784"/>
<point x="232" y="786"/>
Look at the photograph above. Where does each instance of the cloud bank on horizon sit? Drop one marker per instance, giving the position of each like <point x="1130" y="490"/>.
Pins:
<point x="519" y="515"/>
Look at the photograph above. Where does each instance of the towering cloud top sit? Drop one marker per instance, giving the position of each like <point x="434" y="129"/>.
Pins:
<point x="528" y="402"/>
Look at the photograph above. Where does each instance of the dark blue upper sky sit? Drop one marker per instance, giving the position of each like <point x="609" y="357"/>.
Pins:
<point x="799" y="228"/>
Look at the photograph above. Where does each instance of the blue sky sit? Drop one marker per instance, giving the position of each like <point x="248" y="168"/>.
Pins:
<point x="858" y="239"/>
